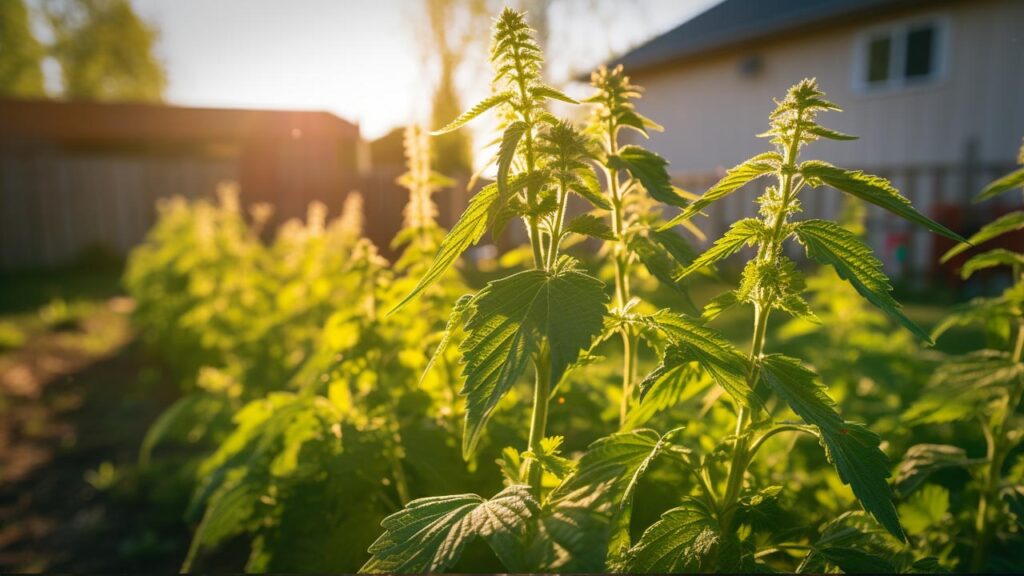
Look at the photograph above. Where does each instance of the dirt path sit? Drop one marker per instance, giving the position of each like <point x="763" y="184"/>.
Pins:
<point x="74" y="405"/>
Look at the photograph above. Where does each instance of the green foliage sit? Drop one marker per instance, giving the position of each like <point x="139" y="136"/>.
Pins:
<point x="511" y="320"/>
<point x="685" y="539"/>
<point x="429" y="534"/>
<point x="105" y="51"/>
<point x="851" y="447"/>
<point x="831" y="244"/>
<point x="985" y="386"/>
<point x="311" y="417"/>
<point x="21" y="54"/>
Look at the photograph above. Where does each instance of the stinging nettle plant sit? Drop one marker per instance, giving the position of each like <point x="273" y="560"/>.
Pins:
<point x="548" y="316"/>
<point x="635" y="234"/>
<point x="512" y="322"/>
<point x="754" y="382"/>
<point x="986" y="386"/>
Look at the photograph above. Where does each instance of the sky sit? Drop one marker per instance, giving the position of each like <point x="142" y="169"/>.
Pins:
<point x="356" y="58"/>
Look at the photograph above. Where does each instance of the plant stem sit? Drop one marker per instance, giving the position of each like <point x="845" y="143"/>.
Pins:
<point x="629" y="357"/>
<point x="622" y="285"/>
<point x="997" y="451"/>
<point x="742" y="454"/>
<point x="539" y="418"/>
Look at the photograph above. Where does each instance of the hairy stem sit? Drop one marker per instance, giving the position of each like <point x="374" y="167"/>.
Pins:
<point x="742" y="454"/>
<point x="620" y="258"/>
<point x="539" y="418"/>
<point x="629" y="361"/>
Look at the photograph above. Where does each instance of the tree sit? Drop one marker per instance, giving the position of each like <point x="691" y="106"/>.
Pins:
<point x="453" y="27"/>
<point x="21" y="54"/>
<point x="105" y="51"/>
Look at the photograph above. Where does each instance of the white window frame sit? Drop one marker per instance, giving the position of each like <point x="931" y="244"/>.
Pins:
<point x="897" y="31"/>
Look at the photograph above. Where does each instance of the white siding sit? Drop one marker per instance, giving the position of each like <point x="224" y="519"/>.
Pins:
<point x="711" y="112"/>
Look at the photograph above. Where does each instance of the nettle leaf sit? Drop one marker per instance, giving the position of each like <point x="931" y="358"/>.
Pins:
<point x="429" y="534"/>
<point x="651" y="170"/>
<point x="694" y="342"/>
<point x="831" y="244"/>
<point x="925" y="509"/>
<point x="1004" y="224"/>
<point x="613" y="466"/>
<point x="231" y="511"/>
<point x="1009" y="182"/>
<point x="745" y="231"/>
<point x="506" y="153"/>
<point x="481" y="107"/>
<point x="852" y="448"/>
<point x="550" y="457"/>
<point x="852" y="544"/>
<point x="590" y="189"/>
<point x="684" y="540"/>
<point x="638" y="122"/>
<point x="590" y="225"/>
<point x="543" y="91"/>
<point x="455" y="319"/>
<point x="467" y="231"/>
<point x="658" y="261"/>
<point x="714" y="308"/>
<point x="923" y="460"/>
<point x="735" y="178"/>
<point x="873" y="189"/>
<point x="991" y="259"/>
<point x="828" y="133"/>
<point x="509" y="318"/>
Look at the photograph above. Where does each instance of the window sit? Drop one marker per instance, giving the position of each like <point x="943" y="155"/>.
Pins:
<point x="900" y="55"/>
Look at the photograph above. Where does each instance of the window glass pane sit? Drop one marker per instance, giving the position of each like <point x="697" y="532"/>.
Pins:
<point x="920" y="52"/>
<point x="878" y="59"/>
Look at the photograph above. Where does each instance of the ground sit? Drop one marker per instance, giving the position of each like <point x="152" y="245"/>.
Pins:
<point x="76" y="397"/>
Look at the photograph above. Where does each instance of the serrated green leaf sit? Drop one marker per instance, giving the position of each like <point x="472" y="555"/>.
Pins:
<point x="1002" y="185"/>
<point x="735" y="178"/>
<point x="612" y="466"/>
<point x="590" y="225"/>
<point x="831" y="244"/>
<point x="550" y="457"/>
<point x="677" y="246"/>
<point x="694" y="342"/>
<point x="925" y="509"/>
<point x="873" y="189"/>
<point x="923" y="460"/>
<point x="991" y="259"/>
<point x="1007" y="223"/>
<point x="508" y="320"/>
<point x="719" y="304"/>
<point x="684" y="540"/>
<point x="852" y="448"/>
<point x="467" y="231"/>
<point x="636" y="121"/>
<point x="742" y="232"/>
<point x="481" y="107"/>
<point x="823" y="132"/>
<point x="429" y="534"/>
<point x="651" y="170"/>
<point x="544" y="91"/>
<point x="507" y="152"/>
<point x="455" y="319"/>
<point x="589" y="188"/>
<point x="229" y="513"/>
<point x="657" y="260"/>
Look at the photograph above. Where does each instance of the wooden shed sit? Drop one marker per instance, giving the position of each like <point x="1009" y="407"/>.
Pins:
<point x="75" y="175"/>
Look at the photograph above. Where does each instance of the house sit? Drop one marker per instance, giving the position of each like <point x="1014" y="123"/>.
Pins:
<point x="933" y="88"/>
<point x="75" y="175"/>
